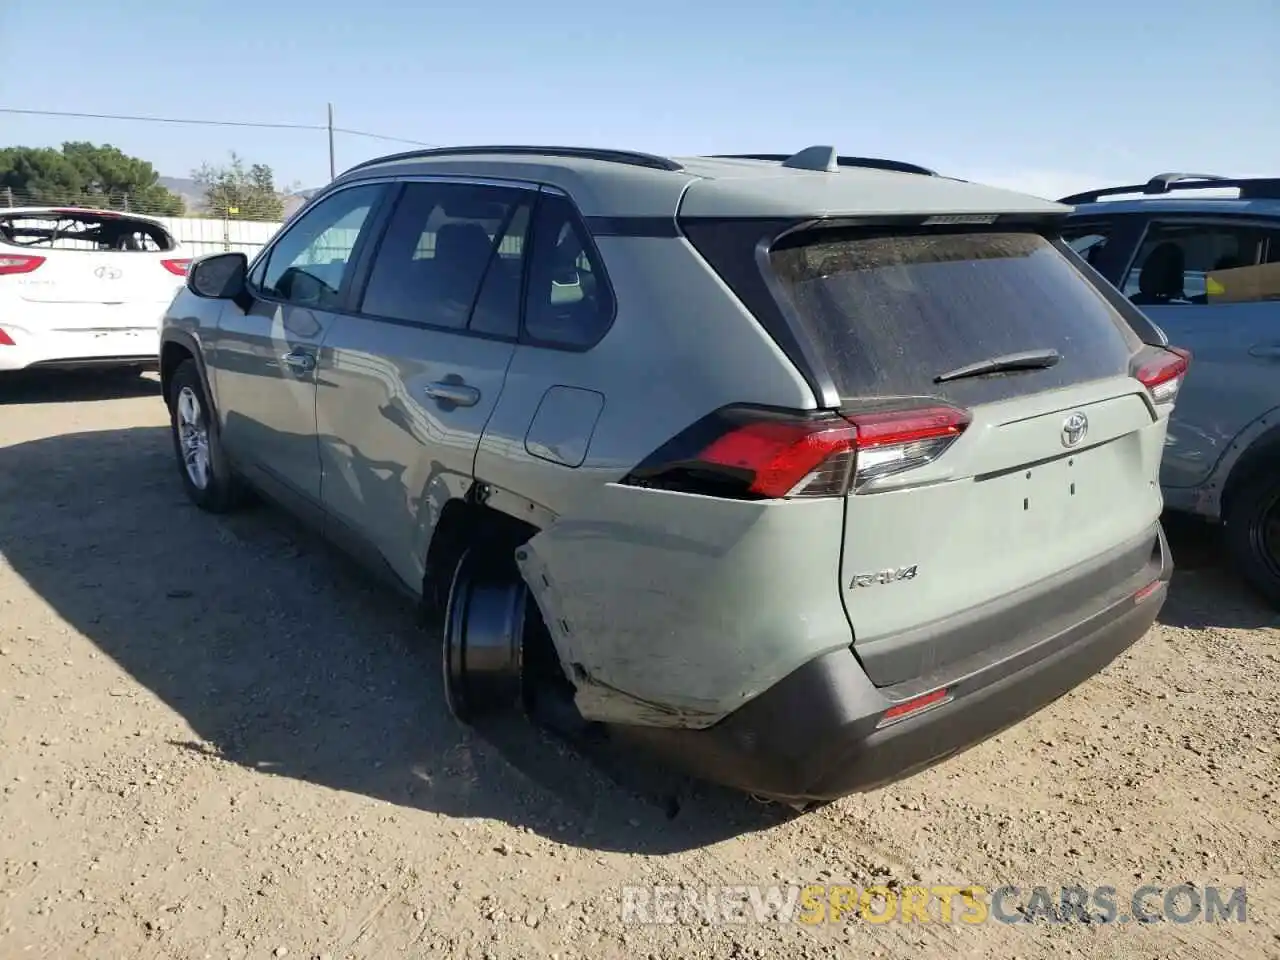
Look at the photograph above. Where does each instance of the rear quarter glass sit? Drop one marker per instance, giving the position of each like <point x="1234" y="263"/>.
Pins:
<point x="887" y="313"/>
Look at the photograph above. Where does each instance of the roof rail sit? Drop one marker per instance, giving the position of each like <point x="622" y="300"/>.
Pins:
<point x="1255" y="188"/>
<point x="826" y="158"/>
<point x="631" y="157"/>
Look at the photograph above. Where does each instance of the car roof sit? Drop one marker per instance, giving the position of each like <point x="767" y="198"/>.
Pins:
<point x="816" y="182"/>
<point x="1259" y="196"/>
<point x="74" y="211"/>
<point x="1180" y="205"/>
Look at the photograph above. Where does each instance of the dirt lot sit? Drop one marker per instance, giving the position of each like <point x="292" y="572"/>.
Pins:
<point x="218" y="740"/>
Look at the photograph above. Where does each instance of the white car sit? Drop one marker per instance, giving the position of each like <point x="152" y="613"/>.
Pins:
<point x="84" y="288"/>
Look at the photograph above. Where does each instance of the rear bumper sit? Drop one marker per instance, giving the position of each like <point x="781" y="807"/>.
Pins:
<point x="71" y="349"/>
<point x="813" y="736"/>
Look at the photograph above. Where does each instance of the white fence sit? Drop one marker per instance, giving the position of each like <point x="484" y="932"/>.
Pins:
<point x="201" y="236"/>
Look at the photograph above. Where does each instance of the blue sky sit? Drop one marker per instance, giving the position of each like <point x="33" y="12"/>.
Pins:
<point x="1037" y="96"/>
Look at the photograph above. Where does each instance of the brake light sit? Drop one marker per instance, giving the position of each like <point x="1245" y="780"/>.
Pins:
<point x="177" y="267"/>
<point x="896" y="440"/>
<point x="1161" y="371"/>
<point x="5" y="339"/>
<point x="747" y="453"/>
<point x="14" y="263"/>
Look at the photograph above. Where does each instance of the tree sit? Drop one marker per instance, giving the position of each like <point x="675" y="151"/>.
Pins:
<point x="233" y="191"/>
<point x="85" y="175"/>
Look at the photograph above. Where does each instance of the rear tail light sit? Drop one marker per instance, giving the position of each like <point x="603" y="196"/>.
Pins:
<point x="5" y="339"/>
<point x="12" y="263"/>
<point x="177" y="267"/>
<point x="747" y="453"/>
<point x="1161" y="371"/>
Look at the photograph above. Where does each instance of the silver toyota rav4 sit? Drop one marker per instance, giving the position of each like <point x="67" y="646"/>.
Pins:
<point x="804" y="471"/>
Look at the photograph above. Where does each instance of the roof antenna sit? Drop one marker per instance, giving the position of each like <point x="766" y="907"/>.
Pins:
<point x="822" y="159"/>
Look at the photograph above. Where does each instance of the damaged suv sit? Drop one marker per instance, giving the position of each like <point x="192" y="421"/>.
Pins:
<point x="804" y="471"/>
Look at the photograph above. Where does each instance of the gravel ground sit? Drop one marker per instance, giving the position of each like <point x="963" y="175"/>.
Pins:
<point x="217" y="739"/>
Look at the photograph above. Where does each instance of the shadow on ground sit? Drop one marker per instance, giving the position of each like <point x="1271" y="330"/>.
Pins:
<point x="283" y="658"/>
<point x="1206" y="591"/>
<point x="75" y="386"/>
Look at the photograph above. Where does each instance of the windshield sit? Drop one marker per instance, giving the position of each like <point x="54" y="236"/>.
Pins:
<point x="890" y="313"/>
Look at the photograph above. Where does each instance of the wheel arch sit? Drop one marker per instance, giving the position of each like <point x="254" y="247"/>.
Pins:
<point x="1253" y="448"/>
<point x="175" y="347"/>
<point x="467" y="521"/>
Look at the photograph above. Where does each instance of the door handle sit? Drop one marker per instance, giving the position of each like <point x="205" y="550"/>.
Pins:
<point x="1267" y="351"/>
<point x="299" y="362"/>
<point x="455" y="393"/>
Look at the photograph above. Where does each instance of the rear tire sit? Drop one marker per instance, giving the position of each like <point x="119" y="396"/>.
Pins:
<point x="206" y="475"/>
<point x="482" y="655"/>
<point x="1252" y="532"/>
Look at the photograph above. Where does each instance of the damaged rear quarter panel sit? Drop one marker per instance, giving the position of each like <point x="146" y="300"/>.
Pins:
<point x="674" y="609"/>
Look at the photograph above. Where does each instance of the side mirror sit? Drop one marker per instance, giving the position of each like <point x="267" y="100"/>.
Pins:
<point x="219" y="276"/>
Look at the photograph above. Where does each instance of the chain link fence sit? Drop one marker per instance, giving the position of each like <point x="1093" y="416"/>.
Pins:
<point x="221" y="227"/>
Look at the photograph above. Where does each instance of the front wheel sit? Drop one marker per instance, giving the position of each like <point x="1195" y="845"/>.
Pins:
<point x="206" y="476"/>
<point x="1252" y="533"/>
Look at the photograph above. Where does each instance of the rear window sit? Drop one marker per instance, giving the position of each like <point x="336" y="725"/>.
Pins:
<point x="888" y="314"/>
<point x="83" y="230"/>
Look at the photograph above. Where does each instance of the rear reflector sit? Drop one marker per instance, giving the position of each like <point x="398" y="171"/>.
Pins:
<point x="748" y="453"/>
<point x="177" y="267"/>
<point x="1147" y="591"/>
<point x="908" y="708"/>
<point x="5" y="339"/>
<point x="13" y="263"/>
<point x="1161" y="372"/>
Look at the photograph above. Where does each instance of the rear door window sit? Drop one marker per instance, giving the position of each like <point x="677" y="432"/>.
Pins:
<point x="452" y="258"/>
<point x="889" y="314"/>
<point x="1193" y="264"/>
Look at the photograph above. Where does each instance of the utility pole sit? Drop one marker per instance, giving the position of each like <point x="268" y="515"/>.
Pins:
<point x="333" y="171"/>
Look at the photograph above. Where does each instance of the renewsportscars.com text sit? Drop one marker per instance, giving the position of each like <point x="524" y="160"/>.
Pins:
<point x="972" y="904"/>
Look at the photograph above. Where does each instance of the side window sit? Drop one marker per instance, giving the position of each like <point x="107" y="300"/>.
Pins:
<point x="1188" y="263"/>
<point x="452" y="250"/>
<point x="310" y="262"/>
<point x="1088" y="240"/>
<point x="569" y="300"/>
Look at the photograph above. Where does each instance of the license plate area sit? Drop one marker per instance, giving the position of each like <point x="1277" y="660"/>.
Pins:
<point x="1064" y="497"/>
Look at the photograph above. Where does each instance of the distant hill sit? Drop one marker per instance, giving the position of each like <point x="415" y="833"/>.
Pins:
<point x="190" y="192"/>
<point x="193" y="195"/>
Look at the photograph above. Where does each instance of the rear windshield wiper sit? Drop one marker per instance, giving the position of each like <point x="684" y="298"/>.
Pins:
<point x="1027" y="360"/>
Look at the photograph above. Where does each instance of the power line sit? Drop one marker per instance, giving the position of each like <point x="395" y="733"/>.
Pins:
<point x="210" y="123"/>
<point x="121" y="116"/>
<point x="380" y="136"/>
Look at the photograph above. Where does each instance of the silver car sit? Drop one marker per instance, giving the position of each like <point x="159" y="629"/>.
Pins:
<point x="804" y="471"/>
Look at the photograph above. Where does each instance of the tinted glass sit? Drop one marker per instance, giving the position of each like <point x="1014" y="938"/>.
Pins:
<point x="888" y="314"/>
<point x="1189" y="264"/>
<point x="1088" y="241"/>
<point x="497" y="310"/>
<point x="570" y="304"/>
<point x="437" y="250"/>
<point x="310" y="263"/>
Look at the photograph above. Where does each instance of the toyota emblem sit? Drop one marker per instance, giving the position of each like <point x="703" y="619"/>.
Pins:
<point x="1074" y="429"/>
<point x="105" y="272"/>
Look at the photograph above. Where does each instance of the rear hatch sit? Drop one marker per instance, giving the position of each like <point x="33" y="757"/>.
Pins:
<point x="1003" y="444"/>
<point x="108" y="264"/>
